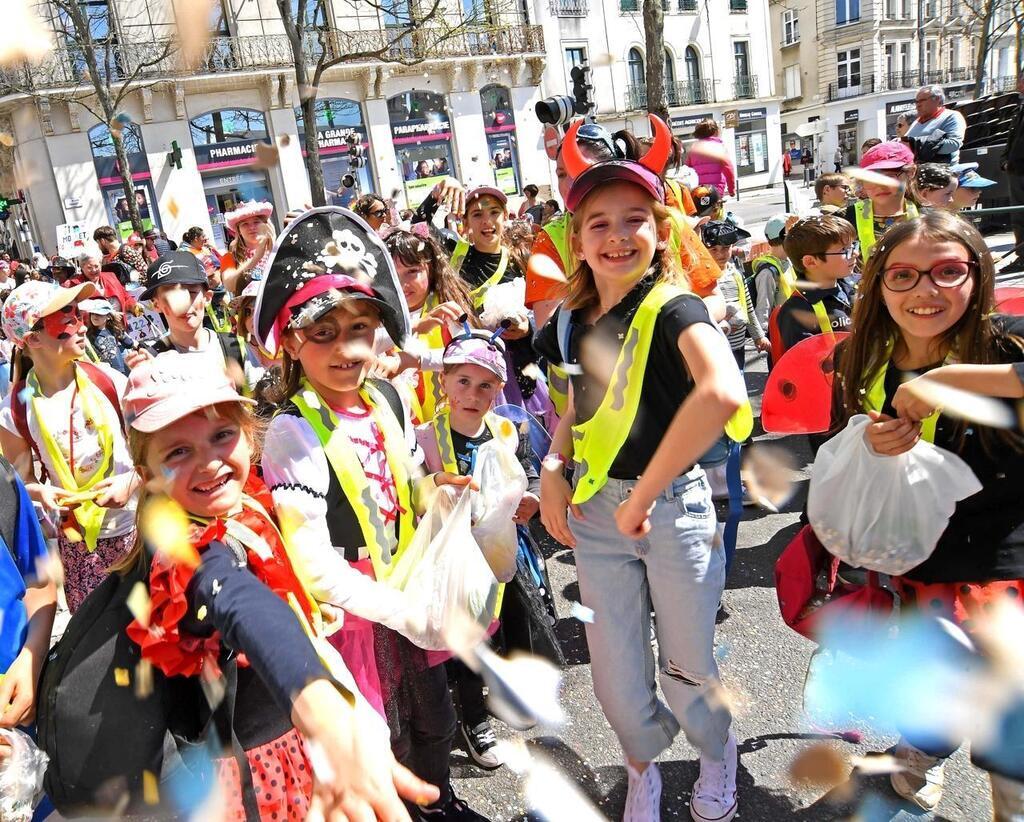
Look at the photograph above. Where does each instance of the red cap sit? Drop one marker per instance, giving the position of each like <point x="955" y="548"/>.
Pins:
<point x="889" y="155"/>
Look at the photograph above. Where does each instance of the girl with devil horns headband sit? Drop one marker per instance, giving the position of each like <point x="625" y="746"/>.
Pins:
<point x="646" y="543"/>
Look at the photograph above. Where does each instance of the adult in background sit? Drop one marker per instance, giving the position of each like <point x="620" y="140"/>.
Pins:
<point x="938" y="133"/>
<point x="530" y="204"/>
<point x="114" y="251"/>
<point x="709" y="158"/>
<point x="156" y="245"/>
<point x="1013" y="164"/>
<point x="107" y="285"/>
<point x="373" y="209"/>
<point x="248" y="251"/>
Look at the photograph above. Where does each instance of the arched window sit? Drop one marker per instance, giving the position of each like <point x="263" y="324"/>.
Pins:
<point x="336" y="120"/>
<point x="670" y="68"/>
<point x="692" y="60"/>
<point x="500" y="127"/>
<point x="421" y="132"/>
<point x="636" y="68"/>
<point x="109" y="175"/>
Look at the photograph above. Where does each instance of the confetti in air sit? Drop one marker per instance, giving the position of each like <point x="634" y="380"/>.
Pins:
<point x="581" y="612"/>
<point x="770" y="475"/>
<point x="964" y="405"/>
<point x="193" y="33"/>
<point x="143" y="679"/>
<point x="6" y="139"/>
<point x="267" y="156"/>
<point x="165" y="527"/>
<point x="139" y="604"/>
<point x="172" y="208"/>
<point x="874" y="178"/>
<point x="122" y="677"/>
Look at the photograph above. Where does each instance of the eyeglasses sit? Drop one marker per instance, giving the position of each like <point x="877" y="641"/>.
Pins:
<point x="944" y="274"/>
<point x="379" y="213"/>
<point x="847" y="253"/>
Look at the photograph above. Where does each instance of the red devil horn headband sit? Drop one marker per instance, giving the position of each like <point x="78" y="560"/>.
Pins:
<point x="654" y="160"/>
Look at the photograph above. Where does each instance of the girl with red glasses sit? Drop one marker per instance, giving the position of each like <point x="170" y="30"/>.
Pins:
<point x="926" y="308"/>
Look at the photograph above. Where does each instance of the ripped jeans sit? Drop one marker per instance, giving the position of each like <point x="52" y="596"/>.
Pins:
<point x="676" y="570"/>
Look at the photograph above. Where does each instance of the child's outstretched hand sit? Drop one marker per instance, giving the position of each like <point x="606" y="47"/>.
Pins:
<point x="529" y="505"/>
<point x="358" y="777"/>
<point x="114" y="492"/>
<point x="438" y="315"/>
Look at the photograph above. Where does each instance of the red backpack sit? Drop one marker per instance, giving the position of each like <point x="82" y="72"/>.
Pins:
<point x="97" y="376"/>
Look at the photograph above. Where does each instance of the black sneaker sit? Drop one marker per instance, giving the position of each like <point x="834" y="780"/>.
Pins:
<point x="1015" y="267"/>
<point x="480" y="742"/>
<point x="454" y="810"/>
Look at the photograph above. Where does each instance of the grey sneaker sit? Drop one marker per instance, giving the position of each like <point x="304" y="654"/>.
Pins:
<point x="921" y="779"/>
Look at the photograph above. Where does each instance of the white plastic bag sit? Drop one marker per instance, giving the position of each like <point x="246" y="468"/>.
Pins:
<point x="443" y="572"/>
<point x="22" y="766"/>
<point x="884" y="513"/>
<point x="504" y="301"/>
<point x="502" y="484"/>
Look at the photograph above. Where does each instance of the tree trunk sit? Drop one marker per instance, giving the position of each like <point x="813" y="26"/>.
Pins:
<point x="124" y="167"/>
<point x="654" y="37"/>
<point x="314" y="168"/>
<point x="983" y="46"/>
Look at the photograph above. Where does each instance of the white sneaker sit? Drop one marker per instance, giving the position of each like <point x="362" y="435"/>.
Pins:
<point x="921" y="779"/>
<point x="714" y="792"/>
<point x="1007" y="799"/>
<point x="643" y="796"/>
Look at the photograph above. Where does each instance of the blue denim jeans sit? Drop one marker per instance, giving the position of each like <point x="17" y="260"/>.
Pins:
<point x="676" y="570"/>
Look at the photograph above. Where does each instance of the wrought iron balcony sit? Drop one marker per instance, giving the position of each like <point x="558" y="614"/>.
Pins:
<point x="744" y="87"/>
<point x="958" y="75"/>
<point x="865" y="85"/>
<point x="66" y="68"/>
<point x="895" y="80"/>
<point x="570" y="8"/>
<point x="691" y="93"/>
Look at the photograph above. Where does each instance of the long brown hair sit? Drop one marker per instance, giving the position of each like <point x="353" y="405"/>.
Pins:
<point x="974" y="338"/>
<point x="443" y="281"/>
<point x="583" y="290"/>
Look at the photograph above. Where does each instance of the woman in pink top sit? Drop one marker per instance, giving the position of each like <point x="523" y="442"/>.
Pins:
<point x="709" y="158"/>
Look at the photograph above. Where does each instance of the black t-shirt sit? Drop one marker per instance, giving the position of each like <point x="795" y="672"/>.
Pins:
<point x="465" y="446"/>
<point x="666" y="384"/>
<point x="984" y="540"/>
<point x="797" y="320"/>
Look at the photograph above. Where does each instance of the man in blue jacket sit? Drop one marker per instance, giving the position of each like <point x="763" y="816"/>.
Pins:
<point x="938" y="133"/>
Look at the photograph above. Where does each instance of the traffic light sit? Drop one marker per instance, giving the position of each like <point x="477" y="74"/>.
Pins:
<point x="356" y="156"/>
<point x="582" y="88"/>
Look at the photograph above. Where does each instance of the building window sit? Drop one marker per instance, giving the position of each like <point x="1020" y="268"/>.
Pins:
<point x="741" y="57"/>
<point x="336" y="119"/>
<point x="952" y="54"/>
<point x="670" y="70"/>
<point x="635" y="62"/>
<point x="847" y="11"/>
<point x="421" y="132"/>
<point x="101" y="32"/>
<point x="848" y="68"/>
<point x="931" y="55"/>
<point x="790" y="27"/>
<point x="931" y="9"/>
<point x="791" y="81"/>
<point x="108" y="174"/>
<point x="574" y="56"/>
<point x="692" y="61"/>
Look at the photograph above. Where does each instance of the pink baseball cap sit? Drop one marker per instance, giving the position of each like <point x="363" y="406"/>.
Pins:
<point x="889" y="155"/>
<point x="169" y="387"/>
<point x="486" y="191"/>
<point x="609" y="171"/>
<point x="477" y="348"/>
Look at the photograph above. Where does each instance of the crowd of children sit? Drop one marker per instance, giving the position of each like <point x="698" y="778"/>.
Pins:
<point x="300" y="399"/>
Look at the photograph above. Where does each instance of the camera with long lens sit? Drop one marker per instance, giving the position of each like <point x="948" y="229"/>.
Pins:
<point x="557" y="110"/>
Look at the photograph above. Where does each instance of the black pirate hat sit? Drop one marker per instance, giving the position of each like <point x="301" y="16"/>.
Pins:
<point x="336" y="245"/>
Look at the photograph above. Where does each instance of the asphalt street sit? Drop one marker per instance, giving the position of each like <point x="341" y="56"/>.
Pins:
<point x="763" y="666"/>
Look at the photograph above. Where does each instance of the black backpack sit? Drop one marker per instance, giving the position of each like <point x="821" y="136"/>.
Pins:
<point x="10" y="504"/>
<point x="100" y="736"/>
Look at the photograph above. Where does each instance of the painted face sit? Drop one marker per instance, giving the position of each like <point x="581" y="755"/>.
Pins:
<point x="471" y="389"/>
<point x="619" y="234"/>
<point x="183" y="306"/>
<point x="485" y="219"/>
<point x="337" y="349"/>
<point x="926" y="311"/>
<point x="415" y="280"/>
<point x="208" y="459"/>
<point x="61" y="334"/>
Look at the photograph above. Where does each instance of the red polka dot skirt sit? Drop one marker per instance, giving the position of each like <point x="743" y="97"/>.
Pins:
<point x="281" y="777"/>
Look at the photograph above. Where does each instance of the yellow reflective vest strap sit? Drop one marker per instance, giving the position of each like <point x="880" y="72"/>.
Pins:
<point x="874" y="400"/>
<point x="787" y="279"/>
<point x="501" y="429"/>
<point x="344" y="461"/>
<point x="597" y="441"/>
<point x="741" y="290"/>
<point x="222" y="325"/>
<point x="558" y="388"/>
<point x="864" y="213"/>
<point x="478" y="293"/>
<point x="558" y="231"/>
<point x="431" y="380"/>
<point x="821" y="315"/>
<point x="90" y="352"/>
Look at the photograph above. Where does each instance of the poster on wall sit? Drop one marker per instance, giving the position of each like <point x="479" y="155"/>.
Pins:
<point x="423" y="166"/>
<point x="117" y="205"/>
<point x="759" y="143"/>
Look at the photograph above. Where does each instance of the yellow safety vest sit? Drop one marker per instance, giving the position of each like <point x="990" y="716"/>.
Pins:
<point x="787" y="278"/>
<point x="432" y="393"/>
<point x="558" y="379"/>
<point x="222" y="325"/>
<point x="597" y="441"/>
<point x="478" y="293"/>
<point x="865" y="215"/>
<point x="874" y="400"/>
<point x="344" y="461"/>
<point x="741" y="288"/>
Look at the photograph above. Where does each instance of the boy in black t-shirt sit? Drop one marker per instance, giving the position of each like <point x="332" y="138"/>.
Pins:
<point x="823" y="252"/>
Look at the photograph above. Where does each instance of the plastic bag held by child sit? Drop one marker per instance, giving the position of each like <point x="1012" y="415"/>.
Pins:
<point x="22" y="766"/>
<point x="502" y="484"/>
<point x="443" y="572"/>
<point x="504" y="301"/>
<point x="894" y="508"/>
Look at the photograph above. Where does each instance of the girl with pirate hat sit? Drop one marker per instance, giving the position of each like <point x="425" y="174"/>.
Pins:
<point x="341" y="461"/>
<point x="641" y="520"/>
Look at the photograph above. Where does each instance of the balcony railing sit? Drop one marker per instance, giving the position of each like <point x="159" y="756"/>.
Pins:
<point x="866" y="85"/>
<point x="895" y="80"/>
<point x="745" y="87"/>
<point x="570" y="8"/>
<point x="64" y="68"/>
<point x="933" y="76"/>
<point x="958" y="75"/>
<point x="1004" y="84"/>
<point x="681" y="93"/>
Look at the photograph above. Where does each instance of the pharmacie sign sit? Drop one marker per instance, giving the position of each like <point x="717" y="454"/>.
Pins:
<point x="233" y="152"/>
<point x="334" y="139"/>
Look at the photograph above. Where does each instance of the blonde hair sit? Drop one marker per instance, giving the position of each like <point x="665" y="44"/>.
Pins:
<point x="583" y="290"/>
<point x="252" y="428"/>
